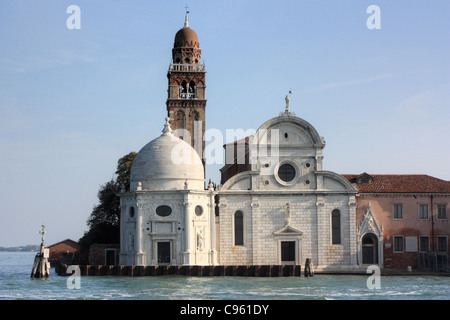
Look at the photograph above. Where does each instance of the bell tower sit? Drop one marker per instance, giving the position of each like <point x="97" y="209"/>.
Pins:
<point x="186" y="101"/>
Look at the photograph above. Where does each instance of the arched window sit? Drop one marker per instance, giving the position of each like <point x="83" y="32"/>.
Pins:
<point x="180" y="119"/>
<point x="195" y="116"/>
<point x="131" y="212"/>
<point x="336" y="226"/>
<point x="238" y="228"/>
<point x="183" y="89"/>
<point x="192" y="89"/>
<point x="196" y="129"/>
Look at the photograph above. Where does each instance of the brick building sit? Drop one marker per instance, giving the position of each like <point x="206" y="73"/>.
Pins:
<point x="103" y="254"/>
<point x="64" y="251"/>
<point x="401" y="219"/>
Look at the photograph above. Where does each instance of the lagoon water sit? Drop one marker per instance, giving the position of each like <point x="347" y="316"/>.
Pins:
<point x="15" y="283"/>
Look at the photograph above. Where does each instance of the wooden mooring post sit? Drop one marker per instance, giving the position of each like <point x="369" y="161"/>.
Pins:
<point x="309" y="272"/>
<point x="41" y="266"/>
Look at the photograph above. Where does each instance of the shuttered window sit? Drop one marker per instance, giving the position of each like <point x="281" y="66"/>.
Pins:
<point x="398" y="211"/>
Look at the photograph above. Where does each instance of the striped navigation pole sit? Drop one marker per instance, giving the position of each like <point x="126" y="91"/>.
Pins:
<point x="41" y="265"/>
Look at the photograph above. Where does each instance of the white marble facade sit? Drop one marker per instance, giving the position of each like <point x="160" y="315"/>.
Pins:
<point x="284" y="210"/>
<point x="167" y="218"/>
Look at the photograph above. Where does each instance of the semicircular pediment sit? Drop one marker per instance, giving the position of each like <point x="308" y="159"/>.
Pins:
<point x="288" y="130"/>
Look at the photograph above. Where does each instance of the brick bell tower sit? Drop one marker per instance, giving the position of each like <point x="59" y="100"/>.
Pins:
<point x="186" y="101"/>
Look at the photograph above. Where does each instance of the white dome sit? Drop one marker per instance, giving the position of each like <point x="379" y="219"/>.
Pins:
<point x="167" y="163"/>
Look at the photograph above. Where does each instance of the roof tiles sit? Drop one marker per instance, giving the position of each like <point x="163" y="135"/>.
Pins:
<point x="408" y="183"/>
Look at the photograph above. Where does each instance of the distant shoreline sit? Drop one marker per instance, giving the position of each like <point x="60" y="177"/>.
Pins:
<point x="27" y="248"/>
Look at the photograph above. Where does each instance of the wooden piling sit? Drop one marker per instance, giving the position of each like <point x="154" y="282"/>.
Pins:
<point x="195" y="271"/>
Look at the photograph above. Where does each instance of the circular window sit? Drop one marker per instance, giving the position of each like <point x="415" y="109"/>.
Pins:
<point x="198" y="210"/>
<point x="163" y="211"/>
<point x="286" y="172"/>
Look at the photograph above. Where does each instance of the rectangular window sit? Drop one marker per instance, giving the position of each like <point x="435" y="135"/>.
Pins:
<point x="442" y="243"/>
<point x="398" y="244"/>
<point x="423" y="211"/>
<point x="442" y="211"/>
<point x="424" y="243"/>
<point x="398" y="211"/>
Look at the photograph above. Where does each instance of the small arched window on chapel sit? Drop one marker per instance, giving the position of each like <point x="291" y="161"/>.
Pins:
<point x="336" y="226"/>
<point x="238" y="228"/>
<point x="131" y="212"/>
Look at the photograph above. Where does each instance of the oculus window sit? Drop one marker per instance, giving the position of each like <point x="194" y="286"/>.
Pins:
<point x="163" y="211"/>
<point x="198" y="210"/>
<point x="286" y="172"/>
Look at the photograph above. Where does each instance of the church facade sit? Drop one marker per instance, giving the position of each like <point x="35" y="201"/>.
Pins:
<point x="282" y="208"/>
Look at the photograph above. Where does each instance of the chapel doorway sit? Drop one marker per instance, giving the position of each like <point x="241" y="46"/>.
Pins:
<point x="369" y="249"/>
<point x="163" y="251"/>
<point x="288" y="252"/>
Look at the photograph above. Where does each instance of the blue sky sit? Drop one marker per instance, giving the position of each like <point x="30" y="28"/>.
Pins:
<point x="72" y="102"/>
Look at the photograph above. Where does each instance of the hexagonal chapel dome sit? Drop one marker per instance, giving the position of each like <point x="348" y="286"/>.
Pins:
<point x="167" y="163"/>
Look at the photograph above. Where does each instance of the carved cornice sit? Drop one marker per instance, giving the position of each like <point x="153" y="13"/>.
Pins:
<point x="185" y="103"/>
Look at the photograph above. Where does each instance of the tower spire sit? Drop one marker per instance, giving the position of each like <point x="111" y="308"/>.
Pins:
<point x="186" y="22"/>
<point x="186" y="100"/>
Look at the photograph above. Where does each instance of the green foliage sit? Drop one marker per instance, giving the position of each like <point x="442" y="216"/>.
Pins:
<point x="123" y="170"/>
<point x="104" y="221"/>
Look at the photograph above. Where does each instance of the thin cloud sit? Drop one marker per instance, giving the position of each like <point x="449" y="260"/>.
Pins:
<point x="30" y="64"/>
<point x="349" y="83"/>
<point x="426" y="102"/>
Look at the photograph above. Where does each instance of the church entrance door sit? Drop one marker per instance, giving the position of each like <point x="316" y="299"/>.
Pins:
<point x="163" y="253"/>
<point x="369" y="249"/>
<point x="287" y="252"/>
